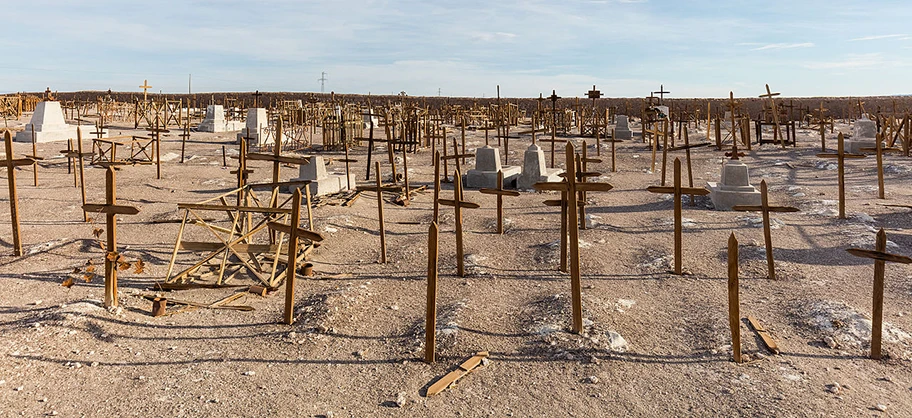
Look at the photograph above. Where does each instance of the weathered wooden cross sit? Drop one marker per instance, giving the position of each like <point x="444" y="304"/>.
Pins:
<point x="145" y="87"/>
<point x="380" y="188"/>
<point x="570" y="189"/>
<point x="840" y="156"/>
<point x="880" y="150"/>
<point x="734" y="304"/>
<point x="767" y="234"/>
<point x="777" y="134"/>
<point x="880" y="256"/>
<point x="11" y="164"/>
<point x="677" y="191"/>
<point x="661" y="93"/>
<point x="294" y="233"/>
<point x="430" y="322"/>
<point x="500" y="193"/>
<point x="111" y="210"/>
<point x="458" y="205"/>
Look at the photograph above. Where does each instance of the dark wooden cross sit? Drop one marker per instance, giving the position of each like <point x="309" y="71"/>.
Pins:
<point x="840" y="156"/>
<point x="11" y="164"/>
<point x="111" y="210"/>
<point x="880" y="256"/>
<point x="145" y="87"/>
<point x="500" y="193"/>
<point x="777" y="134"/>
<point x="380" y="188"/>
<point x="593" y="94"/>
<point x="661" y="93"/>
<point x="767" y="234"/>
<point x="48" y="95"/>
<point x="458" y="205"/>
<point x="686" y="147"/>
<point x="582" y="163"/>
<point x="822" y="126"/>
<point x="294" y="234"/>
<point x="732" y="106"/>
<point x="256" y="98"/>
<point x="569" y="189"/>
<point x="277" y="159"/>
<point x="677" y="191"/>
<point x="554" y="97"/>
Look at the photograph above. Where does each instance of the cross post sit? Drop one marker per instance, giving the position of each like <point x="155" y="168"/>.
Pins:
<point x="767" y="234"/>
<point x="677" y="191"/>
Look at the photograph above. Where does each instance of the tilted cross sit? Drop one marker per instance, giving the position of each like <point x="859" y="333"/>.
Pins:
<point x="458" y="205"/>
<point x="840" y="156"/>
<point x="570" y="188"/>
<point x="677" y="191"/>
<point x="11" y="164"/>
<point x="767" y="234"/>
<point x="294" y="234"/>
<point x="111" y="210"/>
<point x="880" y="256"/>
<point x="777" y="135"/>
<point x="500" y="193"/>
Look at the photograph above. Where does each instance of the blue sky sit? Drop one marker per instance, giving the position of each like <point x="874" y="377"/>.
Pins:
<point x="464" y="48"/>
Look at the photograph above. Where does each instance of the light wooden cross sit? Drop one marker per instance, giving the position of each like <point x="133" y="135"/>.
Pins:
<point x="732" y="106"/>
<point x="11" y="164"/>
<point x="111" y="210"/>
<point x="880" y="256"/>
<point x="677" y="191"/>
<point x="145" y="87"/>
<point x="767" y="234"/>
<point x="822" y="126"/>
<point x="570" y="189"/>
<point x="840" y="156"/>
<point x="880" y="150"/>
<point x="294" y="234"/>
<point x="379" y="188"/>
<point x="777" y="134"/>
<point x="500" y="193"/>
<point x="686" y="147"/>
<point x="34" y="155"/>
<point x="458" y="205"/>
<point x="583" y="161"/>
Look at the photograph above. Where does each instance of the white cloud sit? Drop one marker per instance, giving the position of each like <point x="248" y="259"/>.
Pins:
<point x="876" y="37"/>
<point x="784" y="46"/>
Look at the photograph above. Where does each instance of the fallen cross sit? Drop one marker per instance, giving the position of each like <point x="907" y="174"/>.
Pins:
<point x="453" y="376"/>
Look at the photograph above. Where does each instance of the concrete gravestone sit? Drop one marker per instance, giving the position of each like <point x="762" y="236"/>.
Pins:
<point x="487" y="164"/>
<point x="215" y="121"/>
<point x="256" y="130"/>
<point x="864" y="135"/>
<point x="622" y="129"/>
<point x="370" y="119"/>
<point x="735" y="188"/>
<point x="323" y="182"/>
<point x="50" y="126"/>
<point x="534" y="169"/>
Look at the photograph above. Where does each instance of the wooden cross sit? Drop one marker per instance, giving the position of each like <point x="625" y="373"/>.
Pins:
<point x="554" y="97"/>
<point x="11" y="164"/>
<point x="294" y="234"/>
<point x="677" y="190"/>
<point x="734" y="305"/>
<point x="458" y="205"/>
<point x="500" y="193"/>
<point x="777" y="135"/>
<point x="111" y="210"/>
<point x="256" y="98"/>
<point x="145" y="87"/>
<point x="767" y="234"/>
<point x="880" y="150"/>
<point x="582" y="163"/>
<point x="380" y="188"/>
<point x="732" y="106"/>
<point x="661" y="93"/>
<point x="880" y="256"/>
<point x="34" y="155"/>
<point x="840" y="156"/>
<point x="570" y="189"/>
<point x="822" y="126"/>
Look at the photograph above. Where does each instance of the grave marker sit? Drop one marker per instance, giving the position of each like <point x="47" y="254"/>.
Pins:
<point x="880" y="256"/>
<point x="734" y="308"/>
<point x="11" y="164"/>
<point x="458" y="205"/>
<point x="430" y="323"/>
<point x="767" y="234"/>
<point x="500" y="193"/>
<point x="840" y="156"/>
<point x="677" y="190"/>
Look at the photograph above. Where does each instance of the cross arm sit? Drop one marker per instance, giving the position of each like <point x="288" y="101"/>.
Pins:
<point x="879" y="255"/>
<point x="457" y="156"/>
<point x="19" y="162"/>
<point x="292" y="183"/>
<point x="756" y="208"/>
<point x="844" y="155"/>
<point x="301" y="232"/>
<point x="115" y="209"/>
<point x="461" y="203"/>
<point x="278" y="158"/>
<point x="559" y="187"/>
<point x="499" y="192"/>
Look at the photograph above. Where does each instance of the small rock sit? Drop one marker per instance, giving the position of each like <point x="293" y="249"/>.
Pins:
<point x="880" y="407"/>
<point x="833" y="388"/>
<point x="592" y="379"/>
<point x="19" y="388"/>
<point x="594" y="360"/>
<point x="401" y="399"/>
<point x="249" y="373"/>
<point x="43" y="400"/>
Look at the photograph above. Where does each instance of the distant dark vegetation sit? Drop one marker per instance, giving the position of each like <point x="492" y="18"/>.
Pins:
<point x="840" y="107"/>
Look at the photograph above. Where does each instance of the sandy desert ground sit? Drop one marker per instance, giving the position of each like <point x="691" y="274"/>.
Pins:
<point x="654" y="344"/>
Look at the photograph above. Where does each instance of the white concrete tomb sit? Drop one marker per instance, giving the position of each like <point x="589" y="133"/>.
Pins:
<point x="49" y="125"/>
<point x="487" y="164"/>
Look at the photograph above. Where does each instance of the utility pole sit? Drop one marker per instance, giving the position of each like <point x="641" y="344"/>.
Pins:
<point x="322" y="81"/>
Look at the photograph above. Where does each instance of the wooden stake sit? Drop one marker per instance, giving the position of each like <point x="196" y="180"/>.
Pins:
<point x="430" y="323"/>
<point x="840" y="156"/>
<point x="734" y="314"/>
<point x="458" y="205"/>
<point x="292" y="267"/>
<point x="11" y="165"/>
